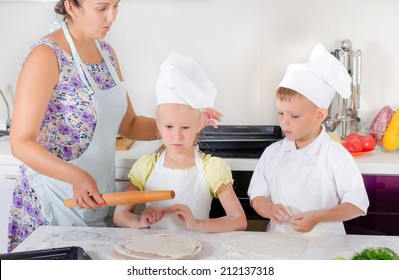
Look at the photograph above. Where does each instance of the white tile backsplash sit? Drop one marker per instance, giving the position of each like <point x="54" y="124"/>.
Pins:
<point x="244" y="46"/>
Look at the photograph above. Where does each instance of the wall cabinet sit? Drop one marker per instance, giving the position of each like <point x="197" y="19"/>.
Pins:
<point x="382" y="217"/>
<point x="383" y="213"/>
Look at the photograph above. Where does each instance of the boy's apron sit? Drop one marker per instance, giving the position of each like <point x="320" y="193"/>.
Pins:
<point x="190" y="186"/>
<point x="304" y="188"/>
<point x="99" y="158"/>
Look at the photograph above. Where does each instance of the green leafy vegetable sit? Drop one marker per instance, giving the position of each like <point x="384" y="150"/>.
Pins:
<point x="380" y="253"/>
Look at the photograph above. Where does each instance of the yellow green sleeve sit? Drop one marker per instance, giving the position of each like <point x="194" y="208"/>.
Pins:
<point x="142" y="169"/>
<point x="217" y="172"/>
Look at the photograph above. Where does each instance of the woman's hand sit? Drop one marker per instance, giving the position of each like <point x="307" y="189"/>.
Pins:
<point x="150" y="216"/>
<point x="85" y="192"/>
<point x="184" y="214"/>
<point x="210" y="116"/>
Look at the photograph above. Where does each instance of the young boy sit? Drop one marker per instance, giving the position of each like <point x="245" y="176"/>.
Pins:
<point x="307" y="182"/>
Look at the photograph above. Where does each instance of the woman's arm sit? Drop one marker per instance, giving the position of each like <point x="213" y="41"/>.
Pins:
<point x="133" y="126"/>
<point x="39" y="75"/>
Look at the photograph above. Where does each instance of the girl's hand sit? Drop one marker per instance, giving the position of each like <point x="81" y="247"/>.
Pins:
<point x="184" y="214"/>
<point x="150" y="216"/>
<point x="210" y="116"/>
<point x="279" y="214"/>
<point x="85" y="192"/>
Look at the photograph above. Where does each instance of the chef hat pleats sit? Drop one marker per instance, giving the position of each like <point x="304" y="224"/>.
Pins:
<point x="319" y="79"/>
<point x="182" y="81"/>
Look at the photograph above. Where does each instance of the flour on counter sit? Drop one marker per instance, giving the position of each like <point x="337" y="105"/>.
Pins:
<point x="159" y="246"/>
<point x="268" y="245"/>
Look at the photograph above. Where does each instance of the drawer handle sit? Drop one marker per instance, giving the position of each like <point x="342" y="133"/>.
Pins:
<point x="122" y="180"/>
<point x="10" y="177"/>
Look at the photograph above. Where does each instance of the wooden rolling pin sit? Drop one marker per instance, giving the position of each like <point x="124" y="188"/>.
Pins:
<point x="132" y="197"/>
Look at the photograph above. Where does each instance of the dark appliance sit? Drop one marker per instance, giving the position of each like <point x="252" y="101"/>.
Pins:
<point x="63" y="253"/>
<point x="238" y="141"/>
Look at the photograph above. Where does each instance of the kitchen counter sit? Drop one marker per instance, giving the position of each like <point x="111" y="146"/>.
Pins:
<point x="123" y="159"/>
<point x="99" y="242"/>
<point x="378" y="162"/>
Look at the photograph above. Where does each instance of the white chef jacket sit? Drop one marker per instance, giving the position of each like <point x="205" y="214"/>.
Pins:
<point x="339" y="166"/>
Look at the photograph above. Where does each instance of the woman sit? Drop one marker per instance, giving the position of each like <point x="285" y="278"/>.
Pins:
<point x="70" y="104"/>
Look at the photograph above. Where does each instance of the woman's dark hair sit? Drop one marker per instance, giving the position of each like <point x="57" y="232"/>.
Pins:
<point x="60" y="8"/>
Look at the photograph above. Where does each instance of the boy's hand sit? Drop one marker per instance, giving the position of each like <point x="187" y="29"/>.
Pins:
<point x="304" y="222"/>
<point x="279" y="214"/>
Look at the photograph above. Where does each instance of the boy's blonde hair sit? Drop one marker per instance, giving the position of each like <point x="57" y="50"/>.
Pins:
<point x="285" y="94"/>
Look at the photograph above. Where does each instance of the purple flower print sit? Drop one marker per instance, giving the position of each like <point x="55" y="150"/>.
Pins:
<point x="60" y="108"/>
<point x="87" y="118"/>
<point x="72" y="108"/>
<point x="28" y="208"/>
<point x="17" y="202"/>
<point x="25" y="232"/>
<point x="47" y="119"/>
<point x="75" y="82"/>
<point x="75" y="138"/>
<point x="67" y="152"/>
<point x="64" y="129"/>
<point x="12" y="228"/>
<point x="51" y="108"/>
<point x="25" y="183"/>
<point x="63" y="60"/>
<point x="107" y="86"/>
<point x="98" y="79"/>
<point x="93" y="125"/>
<point x="64" y="87"/>
<point x="36" y="212"/>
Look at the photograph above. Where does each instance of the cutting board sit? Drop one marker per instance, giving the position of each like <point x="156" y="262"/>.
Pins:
<point x="123" y="143"/>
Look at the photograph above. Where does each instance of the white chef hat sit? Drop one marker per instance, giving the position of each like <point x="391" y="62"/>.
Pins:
<point x="183" y="81"/>
<point x="319" y="79"/>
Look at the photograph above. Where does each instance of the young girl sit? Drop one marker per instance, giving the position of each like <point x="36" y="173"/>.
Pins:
<point x="182" y="89"/>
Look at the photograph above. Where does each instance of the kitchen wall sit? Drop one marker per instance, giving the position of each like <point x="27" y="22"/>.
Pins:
<point x="244" y="46"/>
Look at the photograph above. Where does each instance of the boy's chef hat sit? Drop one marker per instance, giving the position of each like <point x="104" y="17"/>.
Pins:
<point x="319" y="79"/>
<point x="183" y="81"/>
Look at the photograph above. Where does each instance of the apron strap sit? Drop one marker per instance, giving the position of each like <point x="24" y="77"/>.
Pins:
<point x="76" y="57"/>
<point x="198" y="161"/>
<point x="82" y="69"/>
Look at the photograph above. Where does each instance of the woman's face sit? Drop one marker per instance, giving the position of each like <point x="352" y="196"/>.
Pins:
<point x="178" y="125"/>
<point x="95" y="17"/>
<point x="299" y="119"/>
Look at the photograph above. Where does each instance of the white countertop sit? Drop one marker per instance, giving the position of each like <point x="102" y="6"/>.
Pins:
<point x="99" y="243"/>
<point x="378" y="162"/>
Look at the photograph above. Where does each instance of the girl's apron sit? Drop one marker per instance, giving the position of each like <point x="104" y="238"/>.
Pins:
<point x="190" y="186"/>
<point x="304" y="188"/>
<point x="99" y="158"/>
